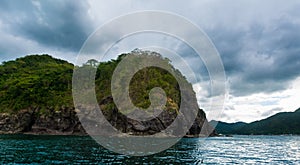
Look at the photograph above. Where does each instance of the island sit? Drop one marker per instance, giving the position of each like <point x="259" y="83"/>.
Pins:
<point x="36" y="97"/>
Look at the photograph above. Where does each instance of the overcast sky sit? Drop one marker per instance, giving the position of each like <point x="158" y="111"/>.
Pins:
<point x="258" y="41"/>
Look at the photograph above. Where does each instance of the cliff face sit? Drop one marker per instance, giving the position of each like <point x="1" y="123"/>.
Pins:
<point x="127" y="125"/>
<point x="66" y="122"/>
<point x="36" y="97"/>
<point x="30" y="121"/>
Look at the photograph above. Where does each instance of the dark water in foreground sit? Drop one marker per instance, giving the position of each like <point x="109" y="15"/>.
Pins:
<point x="20" y="149"/>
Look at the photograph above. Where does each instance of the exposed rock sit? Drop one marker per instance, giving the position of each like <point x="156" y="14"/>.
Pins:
<point x="66" y="122"/>
<point x="130" y="126"/>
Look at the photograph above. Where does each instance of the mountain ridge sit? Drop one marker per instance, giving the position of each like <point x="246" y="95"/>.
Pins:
<point x="279" y="123"/>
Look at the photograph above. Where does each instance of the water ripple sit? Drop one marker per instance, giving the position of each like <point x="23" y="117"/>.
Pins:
<point x="20" y="149"/>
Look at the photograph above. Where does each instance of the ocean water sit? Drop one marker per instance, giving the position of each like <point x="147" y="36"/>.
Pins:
<point x="21" y="149"/>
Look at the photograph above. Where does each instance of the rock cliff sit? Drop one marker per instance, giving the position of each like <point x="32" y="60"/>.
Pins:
<point x="66" y="122"/>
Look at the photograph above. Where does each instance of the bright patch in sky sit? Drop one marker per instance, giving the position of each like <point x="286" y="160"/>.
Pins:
<point x="257" y="106"/>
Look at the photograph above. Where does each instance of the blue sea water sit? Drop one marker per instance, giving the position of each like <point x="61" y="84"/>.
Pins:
<point x="39" y="149"/>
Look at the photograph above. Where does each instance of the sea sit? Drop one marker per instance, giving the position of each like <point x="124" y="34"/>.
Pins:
<point x="52" y="149"/>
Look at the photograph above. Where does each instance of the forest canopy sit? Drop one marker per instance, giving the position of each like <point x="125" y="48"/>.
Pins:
<point x="43" y="82"/>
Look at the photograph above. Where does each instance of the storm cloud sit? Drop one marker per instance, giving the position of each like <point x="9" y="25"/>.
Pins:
<point x="57" y="24"/>
<point x="263" y="56"/>
<point x="258" y="41"/>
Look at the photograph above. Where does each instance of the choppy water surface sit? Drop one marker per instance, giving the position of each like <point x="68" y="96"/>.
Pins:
<point x="82" y="149"/>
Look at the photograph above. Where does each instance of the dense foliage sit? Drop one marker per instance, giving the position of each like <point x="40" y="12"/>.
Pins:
<point x="35" y="81"/>
<point x="141" y="83"/>
<point x="43" y="82"/>
<point x="149" y="78"/>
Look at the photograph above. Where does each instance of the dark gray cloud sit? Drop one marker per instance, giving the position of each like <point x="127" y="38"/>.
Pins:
<point x="261" y="57"/>
<point x="57" y="24"/>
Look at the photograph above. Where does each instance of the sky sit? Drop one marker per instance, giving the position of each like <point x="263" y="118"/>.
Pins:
<point x="258" y="42"/>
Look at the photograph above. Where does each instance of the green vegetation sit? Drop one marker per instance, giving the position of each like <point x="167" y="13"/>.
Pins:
<point x="35" y="81"/>
<point x="141" y="83"/>
<point x="149" y="78"/>
<point x="42" y="82"/>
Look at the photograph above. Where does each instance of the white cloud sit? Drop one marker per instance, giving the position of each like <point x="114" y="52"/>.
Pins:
<point x="257" y="106"/>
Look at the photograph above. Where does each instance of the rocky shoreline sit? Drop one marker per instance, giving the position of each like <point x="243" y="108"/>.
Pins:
<point x="66" y="122"/>
<point x="29" y="121"/>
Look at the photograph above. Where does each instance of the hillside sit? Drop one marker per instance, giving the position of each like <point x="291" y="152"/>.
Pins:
<point x="35" y="81"/>
<point x="36" y="97"/>
<point x="280" y="123"/>
<point x="227" y="128"/>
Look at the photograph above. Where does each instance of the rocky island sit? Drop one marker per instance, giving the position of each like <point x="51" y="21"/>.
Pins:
<point x="36" y="98"/>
